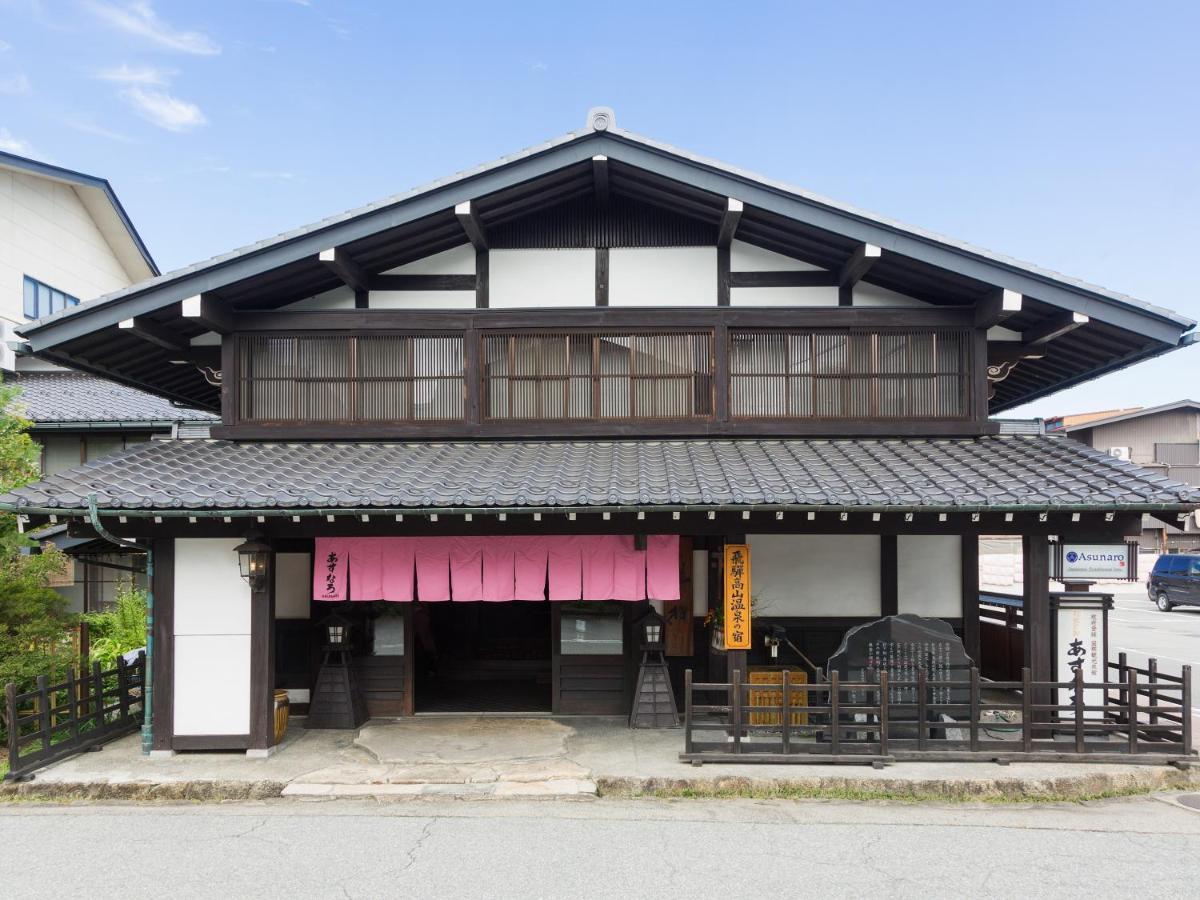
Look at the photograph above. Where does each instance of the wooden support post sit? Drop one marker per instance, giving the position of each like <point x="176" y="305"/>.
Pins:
<point x="1132" y="710"/>
<point x="1152" y="668"/>
<point x="123" y="687"/>
<point x="922" y="711"/>
<point x="884" y="712"/>
<point x="14" y="733"/>
<point x="1037" y="633"/>
<point x="1026" y="710"/>
<point x="787" y="711"/>
<point x="262" y="663"/>
<point x="98" y="687"/>
<point x="44" y="711"/>
<point x="889" y="575"/>
<point x="687" y="710"/>
<point x="72" y="702"/>
<point x="163" y="677"/>
<point x="975" y="709"/>
<point x="835" y="715"/>
<point x="970" y="597"/>
<point x="1185" y="710"/>
<point x="735" y="685"/>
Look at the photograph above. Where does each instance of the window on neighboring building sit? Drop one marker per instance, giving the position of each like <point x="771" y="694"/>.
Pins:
<point x="41" y="299"/>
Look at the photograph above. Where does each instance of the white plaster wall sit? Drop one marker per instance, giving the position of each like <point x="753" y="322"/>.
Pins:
<point x="929" y="574"/>
<point x="541" y="278"/>
<point x="455" y="261"/>
<point x="784" y="296"/>
<point x="872" y="295"/>
<point x="422" y="300"/>
<point x="338" y="298"/>
<point x="745" y="257"/>
<point x="815" y="574"/>
<point x="212" y="639"/>
<point x="47" y="233"/>
<point x="293" y="585"/>
<point x="672" y="276"/>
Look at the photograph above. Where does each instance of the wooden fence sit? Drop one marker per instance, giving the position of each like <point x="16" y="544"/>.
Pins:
<point x="1144" y="717"/>
<point x="54" y="721"/>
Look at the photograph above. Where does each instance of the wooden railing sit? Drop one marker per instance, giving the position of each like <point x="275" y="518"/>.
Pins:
<point x="1145" y="717"/>
<point x="54" y="721"/>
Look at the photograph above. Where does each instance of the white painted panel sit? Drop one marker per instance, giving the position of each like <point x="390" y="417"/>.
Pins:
<point x="293" y="585"/>
<point x="872" y="295"/>
<point x="699" y="582"/>
<point x="455" y="261"/>
<point x="422" y="300"/>
<point x="929" y="574"/>
<point x="672" y="276"/>
<point x="784" y="296"/>
<point x="745" y="257"/>
<point x="338" y="298"/>
<point x="210" y="595"/>
<point x="541" y="278"/>
<point x="815" y="574"/>
<point x="212" y="684"/>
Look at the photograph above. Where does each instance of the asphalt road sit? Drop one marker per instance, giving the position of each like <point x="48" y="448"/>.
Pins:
<point x="626" y="849"/>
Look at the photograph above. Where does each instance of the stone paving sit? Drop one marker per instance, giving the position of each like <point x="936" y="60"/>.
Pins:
<point x="478" y="757"/>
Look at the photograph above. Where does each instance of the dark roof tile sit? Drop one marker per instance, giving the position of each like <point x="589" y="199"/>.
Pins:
<point x="73" y="397"/>
<point x="989" y="472"/>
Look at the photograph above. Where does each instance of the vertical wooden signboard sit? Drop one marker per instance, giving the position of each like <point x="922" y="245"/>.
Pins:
<point x="737" y="597"/>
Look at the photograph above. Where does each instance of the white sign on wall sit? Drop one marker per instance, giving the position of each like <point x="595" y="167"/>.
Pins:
<point x="1081" y="646"/>
<point x="1090" y="562"/>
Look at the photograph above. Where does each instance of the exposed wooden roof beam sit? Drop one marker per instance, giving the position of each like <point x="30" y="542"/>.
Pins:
<point x="729" y="222"/>
<point x="600" y="181"/>
<point x="338" y="261"/>
<point x="209" y="312"/>
<point x="1055" y="326"/>
<point x="467" y="218"/>
<point x="859" y="263"/>
<point x="152" y="332"/>
<point x="806" y="278"/>
<point x="1012" y="351"/>
<point x="996" y="307"/>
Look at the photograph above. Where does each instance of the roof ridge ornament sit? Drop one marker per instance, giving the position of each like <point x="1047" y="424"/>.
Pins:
<point x="601" y="118"/>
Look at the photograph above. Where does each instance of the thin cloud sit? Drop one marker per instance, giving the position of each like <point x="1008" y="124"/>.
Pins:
<point x="162" y="109"/>
<point x="138" y="18"/>
<point x="126" y="74"/>
<point x="14" y="84"/>
<point x="92" y="128"/>
<point x="10" y="143"/>
<point x="5" y="45"/>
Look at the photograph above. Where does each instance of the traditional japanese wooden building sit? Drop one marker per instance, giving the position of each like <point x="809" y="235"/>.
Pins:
<point x="491" y="421"/>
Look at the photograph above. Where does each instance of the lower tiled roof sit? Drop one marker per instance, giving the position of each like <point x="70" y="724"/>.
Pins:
<point x="997" y="472"/>
<point x="62" y="397"/>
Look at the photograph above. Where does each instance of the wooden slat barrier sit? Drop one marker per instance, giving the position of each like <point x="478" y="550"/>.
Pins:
<point x="1144" y="717"/>
<point x="81" y="713"/>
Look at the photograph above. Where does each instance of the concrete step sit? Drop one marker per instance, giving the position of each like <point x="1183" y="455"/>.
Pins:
<point x="553" y="789"/>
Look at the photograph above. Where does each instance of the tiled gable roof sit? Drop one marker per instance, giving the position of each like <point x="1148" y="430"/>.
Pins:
<point x="995" y="473"/>
<point x="75" y="397"/>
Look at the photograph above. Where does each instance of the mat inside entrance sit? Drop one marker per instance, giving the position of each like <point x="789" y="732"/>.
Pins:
<point x="484" y="696"/>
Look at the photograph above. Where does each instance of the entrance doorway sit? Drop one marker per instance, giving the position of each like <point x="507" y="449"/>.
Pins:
<point x="482" y="657"/>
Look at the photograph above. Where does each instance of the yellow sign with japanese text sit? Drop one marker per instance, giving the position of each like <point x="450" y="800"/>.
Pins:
<point x="737" y="597"/>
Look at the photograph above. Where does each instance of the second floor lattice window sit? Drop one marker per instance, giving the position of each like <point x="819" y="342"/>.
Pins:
<point x="368" y="379"/>
<point x="844" y="374"/>
<point x="597" y="375"/>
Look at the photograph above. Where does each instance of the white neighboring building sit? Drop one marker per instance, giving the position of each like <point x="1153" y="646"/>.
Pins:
<point x="64" y="239"/>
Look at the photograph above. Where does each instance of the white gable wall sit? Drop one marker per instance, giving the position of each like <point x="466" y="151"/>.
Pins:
<point x="47" y="233"/>
<point x="541" y="278"/>
<point x="671" y="276"/>
<point x="212" y="639"/>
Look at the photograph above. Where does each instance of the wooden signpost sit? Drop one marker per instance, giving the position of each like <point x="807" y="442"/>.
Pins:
<point x="737" y="597"/>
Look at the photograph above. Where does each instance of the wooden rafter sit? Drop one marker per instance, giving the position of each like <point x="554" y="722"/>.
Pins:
<point x="729" y="222"/>
<point x="859" y="263"/>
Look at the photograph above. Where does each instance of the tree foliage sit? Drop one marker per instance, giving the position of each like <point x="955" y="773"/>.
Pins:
<point x="116" y="631"/>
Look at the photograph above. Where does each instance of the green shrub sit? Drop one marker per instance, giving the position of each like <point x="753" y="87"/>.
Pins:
<point x="116" y="631"/>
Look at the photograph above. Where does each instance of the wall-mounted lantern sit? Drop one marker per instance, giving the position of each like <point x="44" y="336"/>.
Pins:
<point x="254" y="561"/>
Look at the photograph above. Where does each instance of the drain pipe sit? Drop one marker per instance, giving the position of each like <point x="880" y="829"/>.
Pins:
<point x="148" y="674"/>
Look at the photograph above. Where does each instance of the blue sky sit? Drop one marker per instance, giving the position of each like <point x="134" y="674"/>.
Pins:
<point x="1063" y="133"/>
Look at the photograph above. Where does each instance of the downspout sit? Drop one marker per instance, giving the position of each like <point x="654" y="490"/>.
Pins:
<point x="148" y="674"/>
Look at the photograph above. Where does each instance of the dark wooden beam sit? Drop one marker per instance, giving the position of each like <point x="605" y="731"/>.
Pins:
<point x="1053" y="327"/>
<point x="602" y="276"/>
<point x="209" y="312"/>
<point x="482" y="279"/>
<point x="729" y="222"/>
<point x="600" y="181"/>
<point x="467" y="218"/>
<point x="889" y="575"/>
<point x="970" y="596"/>
<point x="339" y="262"/>
<point x="154" y="333"/>
<point x="819" y="278"/>
<point x="162" y="722"/>
<point x="423" y="282"/>
<point x="996" y="307"/>
<point x="1012" y="351"/>
<point x="859" y="263"/>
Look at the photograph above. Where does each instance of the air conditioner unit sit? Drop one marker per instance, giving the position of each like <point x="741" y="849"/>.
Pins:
<point x="1120" y="452"/>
